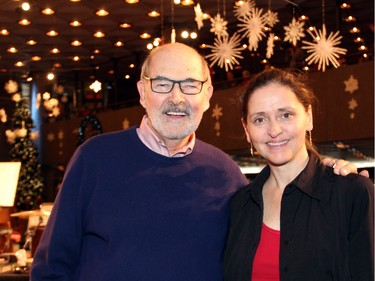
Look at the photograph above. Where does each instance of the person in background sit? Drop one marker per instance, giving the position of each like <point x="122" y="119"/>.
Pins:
<point x="297" y="220"/>
<point x="150" y="202"/>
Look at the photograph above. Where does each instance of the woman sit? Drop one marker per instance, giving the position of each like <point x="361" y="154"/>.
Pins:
<point x="297" y="220"/>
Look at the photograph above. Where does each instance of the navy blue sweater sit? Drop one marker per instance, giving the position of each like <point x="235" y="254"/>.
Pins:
<point x="125" y="212"/>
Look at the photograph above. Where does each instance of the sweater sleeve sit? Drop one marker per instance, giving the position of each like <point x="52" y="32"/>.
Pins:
<point x="58" y="252"/>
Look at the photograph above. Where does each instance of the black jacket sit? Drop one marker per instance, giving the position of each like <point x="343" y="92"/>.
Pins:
<point x="326" y="228"/>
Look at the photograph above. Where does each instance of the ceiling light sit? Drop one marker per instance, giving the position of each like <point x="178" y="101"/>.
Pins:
<point x="355" y="30"/>
<point x="75" y="0"/>
<point x="362" y="48"/>
<point x="149" y="46"/>
<point x="145" y="35"/>
<point x="19" y="64"/>
<point x="350" y="19"/>
<point x="76" y="58"/>
<point x="358" y="40"/>
<point x="193" y="35"/>
<point x="187" y="2"/>
<point x="55" y="51"/>
<point x="184" y="34"/>
<point x="345" y="6"/>
<point x="102" y="13"/>
<point x="119" y="44"/>
<point x="24" y="22"/>
<point x="205" y="16"/>
<point x="153" y="14"/>
<point x="132" y="65"/>
<point x="99" y="34"/>
<point x="4" y="32"/>
<point x="131" y="1"/>
<point x="203" y="46"/>
<point x="31" y="42"/>
<point x="57" y="65"/>
<point x="12" y="50"/>
<point x="50" y="76"/>
<point x="177" y="2"/>
<point x="76" y="43"/>
<point x="127" y="76"/>
<point x="25" y="6"/>
<point x="52" y="33"/>
<point x="303" y="18"/>
<point x="48" y="11"/>
<point x="75" y="23"/>
<point x="96" y="51"/>
<point x="36" y="58"/>
<point x="125" y="25"/>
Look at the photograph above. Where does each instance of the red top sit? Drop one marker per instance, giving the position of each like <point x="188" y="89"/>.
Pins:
<point x="266" y="260"/>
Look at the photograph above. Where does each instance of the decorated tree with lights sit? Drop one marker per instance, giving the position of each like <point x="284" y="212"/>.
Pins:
<point x="30" y="183"/>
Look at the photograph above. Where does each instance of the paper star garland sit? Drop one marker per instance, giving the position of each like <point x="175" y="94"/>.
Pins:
<point x="324" y="51"/>
<point x="219" y="26"/>
<point x="351" y="84"/>
<point x="294" y="31"/>
<point x="198" y="16"/>
<point x="253" y="26"/>
<point x="225" y="51"/>
<point x="244" y="9"/>
<point x="270" y="45"/>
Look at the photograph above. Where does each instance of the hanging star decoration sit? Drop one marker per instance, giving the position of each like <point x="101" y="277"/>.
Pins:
<point x="225" y="51"/>
<point x="243" y="9"/>
<point x="3" y="115"/>
<point x="217" y="112"/>
<point x="271" y="18"/>
<point x="270" y="45"/>
<point x="324" y="51"/>
<point x="219" y="26"/>
<point x="351" y="84"/>
<point x="252" y="27"/>
<point x="198" y="16"/>
<point x="352" y="104"/>
<point x="11" y="87"/>
<point x="294" y="31"/>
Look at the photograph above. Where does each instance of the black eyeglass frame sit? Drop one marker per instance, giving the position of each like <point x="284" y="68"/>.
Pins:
<point x="175" y="82"/>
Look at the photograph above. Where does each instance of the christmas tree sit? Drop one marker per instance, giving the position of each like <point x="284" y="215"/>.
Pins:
<point x="30" y="183"/>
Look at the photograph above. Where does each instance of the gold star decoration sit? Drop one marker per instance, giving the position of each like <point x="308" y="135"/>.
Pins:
<point x="352" y="104"/>
<point x="351" y="84"/>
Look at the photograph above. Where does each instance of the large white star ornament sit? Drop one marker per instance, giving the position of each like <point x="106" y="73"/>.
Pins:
<point x="252" y="27"/>
<point x="198" y="16"/>
<point x="219" y="26"/>
<point x="324" y="51"/>
<point x="225" y="51"/>
<point x="351" y="84"/>
<point x="243" y="9"/>
<point x="294" y="31"/>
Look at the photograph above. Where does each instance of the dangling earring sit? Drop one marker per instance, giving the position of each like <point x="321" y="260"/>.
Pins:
<point x="251" y="149"/>
<point x="309" y="135"/>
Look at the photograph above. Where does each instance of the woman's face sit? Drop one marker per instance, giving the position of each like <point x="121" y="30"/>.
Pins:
<point x="277" y="123"/>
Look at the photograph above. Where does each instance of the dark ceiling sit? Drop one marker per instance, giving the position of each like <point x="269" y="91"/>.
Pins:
<point x="116" y="58"/>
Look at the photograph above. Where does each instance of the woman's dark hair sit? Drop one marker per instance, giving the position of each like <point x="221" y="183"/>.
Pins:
<point x="293" y="79"/>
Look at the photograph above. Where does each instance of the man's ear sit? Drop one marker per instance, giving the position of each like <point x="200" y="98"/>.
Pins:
<point x="141" y="92"/>
<point x="209" y="92"/>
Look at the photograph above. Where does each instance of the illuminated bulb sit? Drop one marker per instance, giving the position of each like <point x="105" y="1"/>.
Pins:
<point x="193" y="35"/>
<point x="125" y="25"/>
<point x="24" y="22"/>
<point x="75" y="23"/>
<point x="19" y="64"/>
<point x="102" y="13"/>
<point x="12" y="50"/>
<point x="48" y="11"/>
<point x="55" y="51"/>
<point x="153" y="14"/>
<point x="50" y="76"/>
<point x="25" y="6"/>
<point x="52" y="33"/>
<point x="149" y="46"/>
<point x="184" y="34"/>
<point x="4" y="32"/>
<point x="99" y="34"/>
<point x="31" y="42"/>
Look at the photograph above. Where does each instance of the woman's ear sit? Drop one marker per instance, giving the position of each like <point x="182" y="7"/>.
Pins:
<point x="310" y="123"/>
<point x="244" y="125"/>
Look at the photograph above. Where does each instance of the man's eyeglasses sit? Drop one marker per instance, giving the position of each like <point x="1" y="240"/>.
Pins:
<point x="165" y="85"/>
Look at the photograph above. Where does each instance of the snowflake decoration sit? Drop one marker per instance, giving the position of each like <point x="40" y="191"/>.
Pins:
<point x="270" y="45"/>
<point x="324" y="51"/>
<point x="217" y="112"/>
<point x="271" y="18"/>
<point x="11" y="87"/>
<point x="352" y="104"/>
<point x="225" y="51"/>
<point x="198" y="16"/>
<point x="351" y="84"/>
<point x="253" y="26"/>
<point x="294" y="31"/>
<point x="219" y="26"/>
<point x="244" y="9"/>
